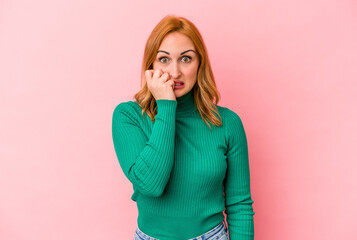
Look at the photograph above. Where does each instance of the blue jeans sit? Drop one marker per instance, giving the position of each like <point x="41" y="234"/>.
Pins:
<point x="219" y="232"/>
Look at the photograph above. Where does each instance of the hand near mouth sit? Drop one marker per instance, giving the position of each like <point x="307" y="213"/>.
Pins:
<point x="160" y="84"/>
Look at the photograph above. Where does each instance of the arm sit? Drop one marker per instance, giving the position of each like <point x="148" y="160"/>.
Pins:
<point x="239" y="208"/>
<point x="147" y="163"/>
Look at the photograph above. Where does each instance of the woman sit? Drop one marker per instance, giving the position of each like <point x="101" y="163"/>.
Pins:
<point x="186" y="157"/>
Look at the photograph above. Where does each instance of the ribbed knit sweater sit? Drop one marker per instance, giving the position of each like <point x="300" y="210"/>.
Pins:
<point x="184" y="174"/>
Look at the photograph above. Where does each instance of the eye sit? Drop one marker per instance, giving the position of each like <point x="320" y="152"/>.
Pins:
<point x="186" y="59"/>
<point x="160" y="59"/>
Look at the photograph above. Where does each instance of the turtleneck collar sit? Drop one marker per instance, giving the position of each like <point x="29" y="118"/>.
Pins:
<point x="185" y="104"/>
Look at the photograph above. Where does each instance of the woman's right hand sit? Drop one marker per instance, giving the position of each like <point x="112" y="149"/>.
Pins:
<point x="159" y="84"/>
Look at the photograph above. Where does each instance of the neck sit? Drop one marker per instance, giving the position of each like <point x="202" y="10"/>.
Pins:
<point x="185" y="104"/>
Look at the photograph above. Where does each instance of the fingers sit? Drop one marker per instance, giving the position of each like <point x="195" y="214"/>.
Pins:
<point x="159" y="84"/>
<point x="171" y="83"/>
<point x="165" y="77"/>
<point x="148" y="75"/>
<point x="157" y="73"/>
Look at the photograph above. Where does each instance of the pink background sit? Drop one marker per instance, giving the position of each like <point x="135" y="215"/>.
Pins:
<point x="288" y="68"/>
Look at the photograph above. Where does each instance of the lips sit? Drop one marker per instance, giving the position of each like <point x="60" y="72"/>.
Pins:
<point x="178" y="82"/>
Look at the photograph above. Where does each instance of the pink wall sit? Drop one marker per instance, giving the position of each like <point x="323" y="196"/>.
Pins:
<point x="288" y="68"/>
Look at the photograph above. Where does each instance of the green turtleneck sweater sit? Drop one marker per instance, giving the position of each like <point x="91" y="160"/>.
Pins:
<point x="184" y="174"/>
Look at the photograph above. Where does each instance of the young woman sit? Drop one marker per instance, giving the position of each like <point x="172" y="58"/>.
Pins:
<point x="186" y="157"/>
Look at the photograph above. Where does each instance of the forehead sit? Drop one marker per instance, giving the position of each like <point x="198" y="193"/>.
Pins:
<point x="176" y="43"/>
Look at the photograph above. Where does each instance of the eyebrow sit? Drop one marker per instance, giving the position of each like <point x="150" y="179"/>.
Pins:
<point x="180" y="53"/>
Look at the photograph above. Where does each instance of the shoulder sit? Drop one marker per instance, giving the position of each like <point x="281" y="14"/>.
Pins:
<point x="229" y="116"/>
<point x="233" y="127"/>
<point x="232" y="123"/>
<point x="127" y="106"/>
<point x="129" y="109"/>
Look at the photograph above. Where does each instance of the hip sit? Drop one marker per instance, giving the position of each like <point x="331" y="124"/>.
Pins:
<point x="219" y="232"/>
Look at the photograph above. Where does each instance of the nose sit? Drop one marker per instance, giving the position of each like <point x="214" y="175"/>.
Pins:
<point x="175" y="71"/>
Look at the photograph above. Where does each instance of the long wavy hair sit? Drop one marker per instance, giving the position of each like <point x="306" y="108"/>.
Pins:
<point x="206" y="95"/>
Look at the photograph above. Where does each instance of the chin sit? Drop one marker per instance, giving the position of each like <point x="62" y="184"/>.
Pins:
<point x="180" y="92"/>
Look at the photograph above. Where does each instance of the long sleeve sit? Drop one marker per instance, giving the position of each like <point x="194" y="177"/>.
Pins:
<point x="147" y="163"/>
<point x="239" y="208"/>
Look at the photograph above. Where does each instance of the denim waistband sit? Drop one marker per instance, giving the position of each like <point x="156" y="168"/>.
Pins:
<point x="206" y="236"/>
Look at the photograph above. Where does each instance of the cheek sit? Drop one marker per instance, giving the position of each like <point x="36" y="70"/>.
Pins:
<point x="191" y="72"/>
<point x="157" y="65"/>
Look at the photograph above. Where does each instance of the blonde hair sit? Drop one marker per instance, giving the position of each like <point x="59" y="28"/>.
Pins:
<point x="206" y="95"/>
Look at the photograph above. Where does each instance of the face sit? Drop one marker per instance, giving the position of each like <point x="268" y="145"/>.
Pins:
<point x="177" y="56"/>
